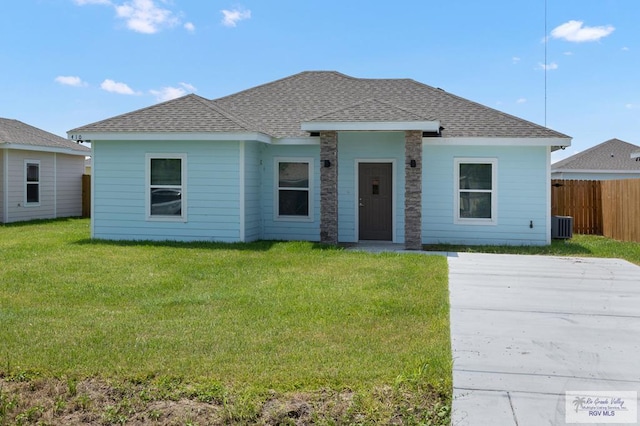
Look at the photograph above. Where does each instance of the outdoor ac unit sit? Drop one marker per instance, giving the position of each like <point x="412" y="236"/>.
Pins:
<point x="561" y="227"/>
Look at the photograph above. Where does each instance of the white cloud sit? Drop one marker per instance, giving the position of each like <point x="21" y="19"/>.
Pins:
<point x="168" y="93"/>
<point x="114" y="87"/>
<point x="626" y="49"/>
<point x="144" y="16"/>
<point x="515" y="59"/>
<point x="521" y="101"/>
<point x="70" y="80"/>
<point x="568" y="53"/>
<point x="576" y="32"/>
<point x="630" y="106"/>
<point x="548" y="67"/>
<point x="232" y="17"/>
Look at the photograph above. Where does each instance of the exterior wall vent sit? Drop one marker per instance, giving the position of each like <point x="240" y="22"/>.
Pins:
<point x="561" y="227"/>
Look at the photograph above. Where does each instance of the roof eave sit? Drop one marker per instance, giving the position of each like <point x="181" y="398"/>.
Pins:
<point x="170" y="136"/>
<point x="556" y="143"/>
<point x="595" y="171"/>
<point x="39" y="148"/>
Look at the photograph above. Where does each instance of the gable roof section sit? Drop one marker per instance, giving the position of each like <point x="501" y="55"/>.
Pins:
<point x="611" y="155"/>
<point x="279" y="108"/>
<point x="187" y="114"/>
<point x="16" y="134"/>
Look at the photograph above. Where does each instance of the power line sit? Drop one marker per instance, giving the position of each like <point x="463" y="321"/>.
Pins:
<point x="545" y="63"/>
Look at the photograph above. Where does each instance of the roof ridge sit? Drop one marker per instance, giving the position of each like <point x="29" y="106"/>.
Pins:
<point x="364" y="101"/>
<point x="237" y="120"/>
<point x="290" y="77"/>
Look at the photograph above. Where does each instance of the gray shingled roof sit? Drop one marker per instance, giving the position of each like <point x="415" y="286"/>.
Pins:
<point x="190" y="113"/>
<point x="278" y="109"/>
<point x="613" y="154"/>
<point x="370" y="110"/>
<point x="18" y="133"/>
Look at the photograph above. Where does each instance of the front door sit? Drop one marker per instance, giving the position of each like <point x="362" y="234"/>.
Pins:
<point x="375" y="201"/>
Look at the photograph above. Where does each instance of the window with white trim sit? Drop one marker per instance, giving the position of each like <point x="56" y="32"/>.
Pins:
<point x="166" y="195"/>
<point x="294" y="180"/>
<point x="476" y="195"/>
<point x="32" y="182"/>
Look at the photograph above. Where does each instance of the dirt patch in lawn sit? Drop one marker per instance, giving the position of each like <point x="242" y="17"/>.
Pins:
<point x="100" y="402"/>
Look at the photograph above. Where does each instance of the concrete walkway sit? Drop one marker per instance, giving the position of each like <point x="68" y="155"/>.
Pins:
<point x="525" y="329"/>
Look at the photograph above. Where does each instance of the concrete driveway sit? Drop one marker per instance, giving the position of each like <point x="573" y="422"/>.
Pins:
<point x="525" y="329"/>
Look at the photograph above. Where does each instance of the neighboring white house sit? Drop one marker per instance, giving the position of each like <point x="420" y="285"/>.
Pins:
<point x="613" y="159"/>
<point x="40" y="173"/>
<point x="322" y="156"/>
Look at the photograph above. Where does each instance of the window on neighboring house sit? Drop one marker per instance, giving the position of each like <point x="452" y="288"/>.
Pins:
<point x="166" y="189"/>
<point x="294" y="183"/>
<point x="475" y="201"/>
<point x="32" y="182"/>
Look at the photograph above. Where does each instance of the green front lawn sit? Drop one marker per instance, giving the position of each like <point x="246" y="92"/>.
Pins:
<point x="245" y="324"/>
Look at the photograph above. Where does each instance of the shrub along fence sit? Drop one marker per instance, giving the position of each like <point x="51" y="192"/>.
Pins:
<point x="610" y="208"/>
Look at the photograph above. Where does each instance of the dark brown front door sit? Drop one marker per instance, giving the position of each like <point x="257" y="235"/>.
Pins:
<point x="375" y="201"/>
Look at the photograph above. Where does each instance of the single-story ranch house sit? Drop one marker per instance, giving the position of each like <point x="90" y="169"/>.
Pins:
<point x="40" y="173"/>
<point x="322" y="156"/>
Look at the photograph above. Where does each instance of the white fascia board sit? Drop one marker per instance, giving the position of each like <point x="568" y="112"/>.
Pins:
<point x="45" y="149"/>
<point x="312" y="140"/>
<point x="318" y="126"/>
<point x="178" y="136"/>
<point x="621" y="172"/>
<point x="484" y="141"/>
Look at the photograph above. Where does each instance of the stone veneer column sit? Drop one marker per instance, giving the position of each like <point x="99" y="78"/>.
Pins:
<point x="413" y="190"/>
<point x="329" y="188"/>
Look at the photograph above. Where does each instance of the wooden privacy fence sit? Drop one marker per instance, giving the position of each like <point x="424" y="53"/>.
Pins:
<point x="621" y="209"/>
<point x="610" y="208"/>
<point x="581" y="199"/>
<point x="86" y="195"/>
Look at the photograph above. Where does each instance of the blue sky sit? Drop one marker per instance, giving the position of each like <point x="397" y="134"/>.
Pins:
<point x="66" y="63"/>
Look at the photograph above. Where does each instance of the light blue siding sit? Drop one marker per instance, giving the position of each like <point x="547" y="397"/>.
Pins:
<point x="373" y="147"/>
<point x="252" y="191"/>
<point x="283" y="229"/>
<point x="521" y="196"/>
<point x="212" y="191"/>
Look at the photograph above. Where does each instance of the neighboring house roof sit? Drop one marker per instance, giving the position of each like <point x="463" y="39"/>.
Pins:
<point x="278" y="108"/>
<point x="610" y="156"/>
<point x="16" y="134"/>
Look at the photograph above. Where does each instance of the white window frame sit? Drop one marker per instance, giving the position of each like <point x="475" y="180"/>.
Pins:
<point x="182" y="187"/>
<point x="276" y="192"/>
<point x="26" y="183"/>
<point x="493" y="191"/>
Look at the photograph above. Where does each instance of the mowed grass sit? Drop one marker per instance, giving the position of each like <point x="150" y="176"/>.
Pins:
<point x="579" y="245"/>
<point x="280" y="316"/>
